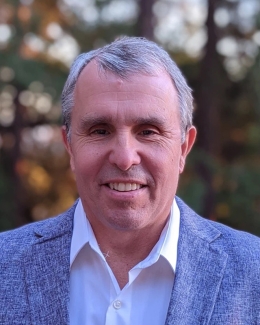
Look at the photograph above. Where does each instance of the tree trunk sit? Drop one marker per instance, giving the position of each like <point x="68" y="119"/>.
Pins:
<point x="10" y="159"/>
<point x="146" y="19"/>
<point x="207" y="114"/>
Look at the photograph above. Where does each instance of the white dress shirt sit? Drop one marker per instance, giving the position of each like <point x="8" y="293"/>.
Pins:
<point x="95" y="296"/>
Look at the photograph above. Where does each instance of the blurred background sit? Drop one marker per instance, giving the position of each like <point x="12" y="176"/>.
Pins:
<point x="215" y="43"/>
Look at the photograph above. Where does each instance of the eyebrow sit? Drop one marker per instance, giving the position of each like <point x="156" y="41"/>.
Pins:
<point x="89" y="121"/>
<point x="153" y="120"/>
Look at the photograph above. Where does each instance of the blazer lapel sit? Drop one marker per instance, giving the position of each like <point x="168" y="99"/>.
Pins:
<point x="199" y="271"/>
<point x="47" y="271"/>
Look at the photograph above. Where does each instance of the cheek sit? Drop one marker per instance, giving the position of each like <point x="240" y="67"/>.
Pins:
<point x="169" y="168"/>
<point x="164" y="169"/>
<point x="83" y="163"/>
<point x="88" y="164"/>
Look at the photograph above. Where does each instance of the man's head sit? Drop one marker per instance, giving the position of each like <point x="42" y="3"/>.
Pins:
<point x="125" y="57"/>
<point x="128" y="132"/>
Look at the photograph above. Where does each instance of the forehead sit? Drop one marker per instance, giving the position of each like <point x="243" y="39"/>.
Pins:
<point x="92" y="75"/>
<point x="104" y="92"/>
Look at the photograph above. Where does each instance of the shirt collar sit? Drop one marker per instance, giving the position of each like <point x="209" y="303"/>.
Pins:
<point x="80" y="234"/>
<point x="167" y="243"/>
<point x="170" y="244"/>
<point x="166" y="246"/>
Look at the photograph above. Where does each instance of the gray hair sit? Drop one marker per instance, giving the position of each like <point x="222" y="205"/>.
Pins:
<point x="124" y="57"/>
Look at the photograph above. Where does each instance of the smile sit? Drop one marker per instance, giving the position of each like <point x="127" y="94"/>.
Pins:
<point x="125" y="187"/>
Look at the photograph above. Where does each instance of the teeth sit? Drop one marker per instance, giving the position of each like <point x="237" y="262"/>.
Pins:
<point x="121" y="187"/>
<point x="124" y="187"/>
<point x="135" y="187"/>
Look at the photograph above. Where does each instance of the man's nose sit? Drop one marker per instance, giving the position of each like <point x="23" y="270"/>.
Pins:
<point x="124" y="152"/>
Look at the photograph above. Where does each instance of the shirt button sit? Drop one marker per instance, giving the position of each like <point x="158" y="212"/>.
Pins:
<point x="117" y="304"/>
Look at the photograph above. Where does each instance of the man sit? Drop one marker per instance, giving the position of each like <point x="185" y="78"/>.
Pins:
<point x="128" y="251"/>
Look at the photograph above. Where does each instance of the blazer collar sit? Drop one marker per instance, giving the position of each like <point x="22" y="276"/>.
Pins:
<point x="199" y="272"/>
<point x="47" y="270"/>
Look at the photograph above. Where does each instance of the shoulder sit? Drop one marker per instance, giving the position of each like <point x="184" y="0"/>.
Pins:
<point x="239" y="245"/>
<point x="14" y="242"/>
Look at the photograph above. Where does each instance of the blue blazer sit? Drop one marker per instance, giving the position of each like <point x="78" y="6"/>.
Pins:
<point x="217" y="280"/>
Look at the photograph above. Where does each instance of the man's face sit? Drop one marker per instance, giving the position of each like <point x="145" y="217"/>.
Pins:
<point x="125" y="149"/>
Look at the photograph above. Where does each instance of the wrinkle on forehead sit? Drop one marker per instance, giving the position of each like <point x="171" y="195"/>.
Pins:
<point x="92" y="74"/>
<point x="95" y="91"/>
<point x="94" y="118"/>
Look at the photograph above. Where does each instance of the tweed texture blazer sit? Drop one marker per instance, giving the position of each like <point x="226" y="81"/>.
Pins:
<point x="217" y="280"/>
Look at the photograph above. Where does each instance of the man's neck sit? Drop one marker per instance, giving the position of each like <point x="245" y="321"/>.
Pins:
<point x="125" y="249"/>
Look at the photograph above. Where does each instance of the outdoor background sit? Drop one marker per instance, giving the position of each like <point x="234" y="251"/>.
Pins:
<point x="216" y="44"/>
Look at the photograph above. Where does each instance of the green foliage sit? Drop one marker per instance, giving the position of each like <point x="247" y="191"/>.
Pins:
<point x="237" y="192"/>
<point x="27" y="71"/>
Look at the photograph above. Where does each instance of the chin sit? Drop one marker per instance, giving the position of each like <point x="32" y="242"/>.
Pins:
<point x="125" y="222"/>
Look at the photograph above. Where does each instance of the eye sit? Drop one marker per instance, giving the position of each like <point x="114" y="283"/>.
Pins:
<point x="147" y="132"/>
<point x="99" y="132"/>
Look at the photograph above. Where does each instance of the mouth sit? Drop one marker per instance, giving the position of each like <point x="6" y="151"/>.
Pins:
<point x="124" y="187"/>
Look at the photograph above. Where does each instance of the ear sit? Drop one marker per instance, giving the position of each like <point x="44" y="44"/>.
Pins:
<point x="186" y="146"/>
<point x="68" y="147"/>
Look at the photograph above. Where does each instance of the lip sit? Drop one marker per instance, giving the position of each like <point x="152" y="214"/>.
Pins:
<point x="117" y="181"/>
